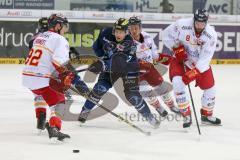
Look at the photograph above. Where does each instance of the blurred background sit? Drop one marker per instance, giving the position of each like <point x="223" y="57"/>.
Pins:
<point x="18" y="22"/>
<point x="227" y="7"/>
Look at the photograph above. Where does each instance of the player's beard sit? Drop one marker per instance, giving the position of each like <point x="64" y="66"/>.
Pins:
<point x="198" y="30"/>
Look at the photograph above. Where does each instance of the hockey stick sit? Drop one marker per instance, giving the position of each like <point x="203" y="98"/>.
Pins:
<point x="81" y="70"/>
<point x="112" y="113"/>
<point x="90" y="67"/>
<point x="193" y="106"/>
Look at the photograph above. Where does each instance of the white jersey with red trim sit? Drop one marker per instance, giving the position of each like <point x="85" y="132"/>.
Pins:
<point x="199" y="50"/>
<point x="147" y="49"/>
<point x="49" y="49"/>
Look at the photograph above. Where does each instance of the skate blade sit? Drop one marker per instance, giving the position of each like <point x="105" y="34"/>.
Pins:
<point x="54" y="140"/>
<point x="66" y="140"/>
<point x="209" y="124"/>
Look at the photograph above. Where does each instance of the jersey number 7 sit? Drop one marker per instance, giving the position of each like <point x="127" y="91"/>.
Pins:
<point x="33" y="57"/>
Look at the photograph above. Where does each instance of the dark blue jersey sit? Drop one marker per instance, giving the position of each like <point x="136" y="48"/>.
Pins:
<point x="106" y="46"/>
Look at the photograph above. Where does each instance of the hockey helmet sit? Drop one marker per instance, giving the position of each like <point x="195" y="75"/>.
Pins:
<point x="135" y="21"/>
<point x="55" y="19"/>
<point x="43" y="24"/>
<point x="201" y="15"/>
<point x="121" y="24"/>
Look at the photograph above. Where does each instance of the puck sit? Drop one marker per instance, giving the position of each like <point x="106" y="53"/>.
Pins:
<point x="76" y="151"/>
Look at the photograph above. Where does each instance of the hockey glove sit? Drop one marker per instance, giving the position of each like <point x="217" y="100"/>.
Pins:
<point x="144" y="65"/>
<point x="191" y="75"/>
<point x="180" y="53"/>
<point x="66" y="79"/>
<point x="164" y="58"/>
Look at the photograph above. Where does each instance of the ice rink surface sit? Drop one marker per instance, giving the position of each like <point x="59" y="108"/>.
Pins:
<point x="107" y="138"/>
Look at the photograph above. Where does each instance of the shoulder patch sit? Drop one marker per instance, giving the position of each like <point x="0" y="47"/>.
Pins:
<point x="207" y="34"/>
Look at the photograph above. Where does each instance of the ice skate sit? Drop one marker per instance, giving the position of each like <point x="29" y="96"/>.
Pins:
<point x="210" y="120"/>
<point x="54" y="133"/>
<point x="83" y="116"/>
<point x="187" y="121"/>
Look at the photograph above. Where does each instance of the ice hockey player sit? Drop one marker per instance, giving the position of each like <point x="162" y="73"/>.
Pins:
<point x="193" y="42"/>
<point x="50" y="53"/>
<point x="39" y="103"/>
<point x="152" y="79"/>
<point x="116" y="47"/>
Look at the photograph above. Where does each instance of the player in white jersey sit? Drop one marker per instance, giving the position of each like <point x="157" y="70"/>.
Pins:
<point x="49" y="53"/>
<point x="39" y="104"/>
<point x="193" y="42"/>
<point x="152" y="80"/>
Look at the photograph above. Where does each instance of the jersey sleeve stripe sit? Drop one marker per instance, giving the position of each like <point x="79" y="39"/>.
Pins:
<point x="43" y="47"/>
<point x="36" y="74"/>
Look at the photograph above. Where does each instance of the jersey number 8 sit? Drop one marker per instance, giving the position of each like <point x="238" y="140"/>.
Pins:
<point x="33" y="57"/>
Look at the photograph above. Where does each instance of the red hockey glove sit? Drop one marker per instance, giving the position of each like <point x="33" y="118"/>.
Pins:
<point x="65" y="75"/>
<point x="66" y="79"/>
<point x="144" y="65"/>
<point x="164" y="58"/>
<point x="63" y="82"/>
<point x="180" y="53"/>
<point x="190" y="76"/>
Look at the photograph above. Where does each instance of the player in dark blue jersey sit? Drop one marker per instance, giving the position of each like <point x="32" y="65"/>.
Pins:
<point x="117" y="51"/>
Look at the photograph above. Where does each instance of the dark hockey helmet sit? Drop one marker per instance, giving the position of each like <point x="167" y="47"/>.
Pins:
<point x="43" y="24"/>
<point x="135" y="21"/>
<point x="121" y="24"/>
<point x="55" y="19"/>
<point x="201" y="15"/>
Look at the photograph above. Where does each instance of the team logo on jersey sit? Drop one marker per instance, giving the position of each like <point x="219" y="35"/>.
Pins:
<point x="197" y="42"/>
<point x="200" y="42"/>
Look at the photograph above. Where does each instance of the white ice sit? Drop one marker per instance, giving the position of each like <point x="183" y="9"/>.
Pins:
<point x="107" y="138"/>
